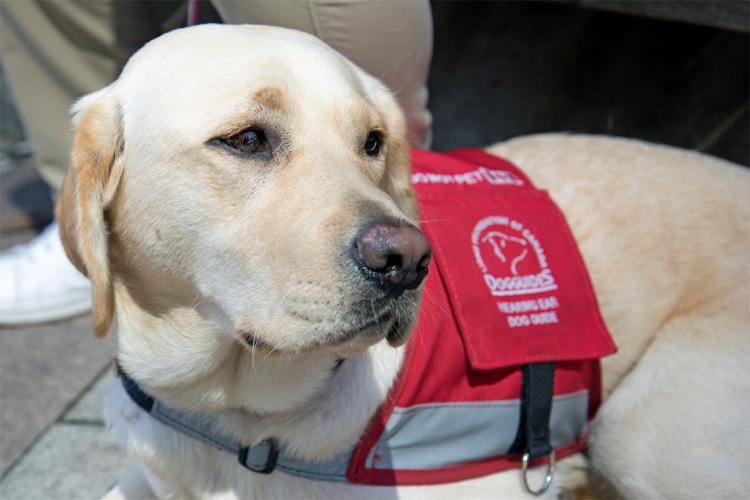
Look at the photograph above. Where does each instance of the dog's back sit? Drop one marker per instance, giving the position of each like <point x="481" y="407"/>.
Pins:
<point x="665" y="235"/>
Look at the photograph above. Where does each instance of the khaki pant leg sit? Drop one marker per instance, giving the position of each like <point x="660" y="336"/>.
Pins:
<point x="391" y="40"/>
<point x="52" y="53"/>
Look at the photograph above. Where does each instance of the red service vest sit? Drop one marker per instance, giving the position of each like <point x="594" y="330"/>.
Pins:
<point x="506" y="287"/>
<point x="504" y="358"/>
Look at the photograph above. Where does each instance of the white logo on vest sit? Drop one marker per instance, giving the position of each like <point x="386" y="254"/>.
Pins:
<point x="510" y="257"/>
<point x="478" y="176"/>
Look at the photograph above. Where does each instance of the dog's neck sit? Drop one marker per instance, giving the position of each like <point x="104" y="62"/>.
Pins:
<point x="301" y="399"/>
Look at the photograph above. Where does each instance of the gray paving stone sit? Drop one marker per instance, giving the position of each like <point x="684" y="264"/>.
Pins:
<point x="43" y="370"/>
<point x="90" y="408"/>
<point x="69" y="462"/>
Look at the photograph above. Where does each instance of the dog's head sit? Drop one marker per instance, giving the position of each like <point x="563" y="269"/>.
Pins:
<point x="252" y="176"/>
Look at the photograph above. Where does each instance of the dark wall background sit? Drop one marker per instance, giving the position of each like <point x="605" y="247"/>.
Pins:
<point x="503" y="69"/>
<point x="506" y="68"/>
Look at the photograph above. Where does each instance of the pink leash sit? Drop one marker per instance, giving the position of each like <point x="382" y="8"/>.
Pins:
<point x="194" y="12"/>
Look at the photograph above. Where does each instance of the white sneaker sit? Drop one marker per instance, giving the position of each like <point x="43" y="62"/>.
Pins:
<point x="38" y="283"/>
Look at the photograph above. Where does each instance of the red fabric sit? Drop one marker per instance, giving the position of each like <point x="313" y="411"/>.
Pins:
<point x="506" y="287"/>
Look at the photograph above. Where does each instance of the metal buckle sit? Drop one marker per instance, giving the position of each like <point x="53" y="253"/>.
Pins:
<point x="260" y="458"/>
<point x="547" y="477"/>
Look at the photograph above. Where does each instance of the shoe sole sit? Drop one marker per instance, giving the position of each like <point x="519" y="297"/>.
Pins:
<point x="73" y="305"/>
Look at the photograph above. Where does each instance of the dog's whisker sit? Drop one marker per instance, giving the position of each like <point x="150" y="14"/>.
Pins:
<point x="372" y="306"/>
<point x="429" y="298"/>
<point x="197" y="301"/>
<point x="286" y="294"/>
<point x="427" y="221"/>
<point x="252" y="357"/>
<point x="271" y="351"/>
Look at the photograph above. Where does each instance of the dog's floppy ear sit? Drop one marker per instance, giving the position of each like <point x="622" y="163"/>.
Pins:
<point x="87" y="191"/>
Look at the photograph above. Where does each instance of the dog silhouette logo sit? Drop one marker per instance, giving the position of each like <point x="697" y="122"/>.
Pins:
<point x="510" y="257"/>
<point x="502" y="243"/>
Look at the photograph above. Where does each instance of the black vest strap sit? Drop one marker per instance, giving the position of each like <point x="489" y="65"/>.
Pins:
<point x="533" y="435"/>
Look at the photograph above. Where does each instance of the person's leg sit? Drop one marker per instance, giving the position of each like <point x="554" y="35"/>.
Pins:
<point x="52" y="53"/>
<point x="391" y="40"/>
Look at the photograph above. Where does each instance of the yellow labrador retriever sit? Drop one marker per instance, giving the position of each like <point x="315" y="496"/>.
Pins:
<point x="217" y="190"/>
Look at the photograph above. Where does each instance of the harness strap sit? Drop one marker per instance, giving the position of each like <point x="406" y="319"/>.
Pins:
<point x="533" y="435"/>
<point x="262" y="458"/>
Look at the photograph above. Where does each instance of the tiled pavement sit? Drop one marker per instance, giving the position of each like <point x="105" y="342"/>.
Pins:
<point x="53" y="443"/>
<point x="75" y="458"/>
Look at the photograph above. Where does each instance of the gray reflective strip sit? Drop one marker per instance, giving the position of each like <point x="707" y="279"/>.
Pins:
<point x="568" y="418"/>
<point x="202" y="427"/>
<point x="199" y="426"/>
<point x="437" y="435"/>
<point x="330" y="470"/>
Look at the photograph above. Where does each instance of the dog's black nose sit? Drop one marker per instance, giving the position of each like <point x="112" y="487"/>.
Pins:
<point x="395" y="255"/>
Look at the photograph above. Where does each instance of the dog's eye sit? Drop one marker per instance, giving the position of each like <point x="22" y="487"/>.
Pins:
<point x="250" y="141"/>
<point x="373" y="143"/>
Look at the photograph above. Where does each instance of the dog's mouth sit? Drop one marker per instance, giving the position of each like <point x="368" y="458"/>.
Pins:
<point x="252" y="340"/>
<point x="384" y="324"/>
<point x="254" y="343"/>
<point x="373" y="325"/>
<point x="393" y="322"/>
<point x="366" y="322"/>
